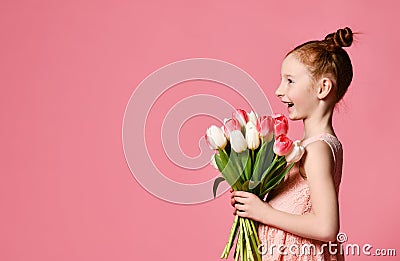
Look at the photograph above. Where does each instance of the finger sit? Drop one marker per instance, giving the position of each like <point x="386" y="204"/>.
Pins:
<point x="233" y="202"/>
<point x="240" y="207"/>
<point x="239" y="200"/>
<point x="242" y="194"/>
<point x="231" y="190"/>
<point x="241" y="213"/>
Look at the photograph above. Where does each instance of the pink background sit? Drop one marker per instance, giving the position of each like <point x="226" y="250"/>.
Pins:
<point x="68" y="69"/>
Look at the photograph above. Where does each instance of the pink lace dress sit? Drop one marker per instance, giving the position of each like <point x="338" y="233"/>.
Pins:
<point x="294" y="197"/>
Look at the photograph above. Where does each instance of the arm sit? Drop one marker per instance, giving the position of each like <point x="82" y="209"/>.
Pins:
<point x="323" y="222"/>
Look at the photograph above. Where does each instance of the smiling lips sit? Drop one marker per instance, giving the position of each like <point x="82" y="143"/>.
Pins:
<point x="289" y="104"/>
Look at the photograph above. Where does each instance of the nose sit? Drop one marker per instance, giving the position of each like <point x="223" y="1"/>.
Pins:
<point x="279" y="91"/>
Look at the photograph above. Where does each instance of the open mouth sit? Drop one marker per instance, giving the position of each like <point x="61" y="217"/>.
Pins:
<point x="289" y="104"/>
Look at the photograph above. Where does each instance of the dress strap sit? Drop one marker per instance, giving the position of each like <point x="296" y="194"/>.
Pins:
<point x="330" y="139"/>
<point x="315" y="138"/>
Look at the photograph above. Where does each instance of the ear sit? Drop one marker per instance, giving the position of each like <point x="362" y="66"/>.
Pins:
<point x="324" y="88"/>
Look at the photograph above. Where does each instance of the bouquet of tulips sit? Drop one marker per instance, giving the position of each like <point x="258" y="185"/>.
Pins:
<point x="253" y="154"/>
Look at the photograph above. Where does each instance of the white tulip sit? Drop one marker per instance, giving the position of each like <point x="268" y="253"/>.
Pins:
<point x="252" y="136"/>
<point x="215" y="137"/>
<point x="238" y="142"/>
<point x="252" y="117"/>
<point x="296" y="153"/>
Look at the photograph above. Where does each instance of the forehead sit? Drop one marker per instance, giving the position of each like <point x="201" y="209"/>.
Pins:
<point x="291" y="65"/>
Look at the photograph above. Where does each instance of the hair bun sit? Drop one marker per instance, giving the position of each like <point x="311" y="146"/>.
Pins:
<point x="342" y="38"/>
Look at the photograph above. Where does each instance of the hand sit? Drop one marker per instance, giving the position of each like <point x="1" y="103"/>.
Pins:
<point x="248" y="205"/>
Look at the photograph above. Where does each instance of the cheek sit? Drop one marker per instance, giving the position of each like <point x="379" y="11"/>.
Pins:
<point x="300" y="98"/>
<point x="295" y="95"/>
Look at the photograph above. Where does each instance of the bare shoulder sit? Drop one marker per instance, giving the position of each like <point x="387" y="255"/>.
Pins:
<point x="318" y="159"/>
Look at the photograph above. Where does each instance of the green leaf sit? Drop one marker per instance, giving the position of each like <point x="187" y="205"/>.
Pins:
<point x="217" y="181"/>
<point x="276" y="180"/>
<point x="236" y="164"/>
<point x="238" y="185"/>
<point x="269" y="153"/>
<point x="219" y="163"/>
<point x="278" y="163"/>
<point x="245" y="186"/>
<point x="273" y="173"/>
<point x="268" y="172"/>
<point x="224" y="157"/>
<point x="245" y="162"/>
<point x="226" y="173"/>
<point x="265" y="158"/>
<point x="259" y="163"/>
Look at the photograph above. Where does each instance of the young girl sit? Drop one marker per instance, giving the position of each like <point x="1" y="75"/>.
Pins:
<point x="300" y="220"/>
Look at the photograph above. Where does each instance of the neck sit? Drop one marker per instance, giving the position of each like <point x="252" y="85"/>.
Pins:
<point x="318" y="123"/>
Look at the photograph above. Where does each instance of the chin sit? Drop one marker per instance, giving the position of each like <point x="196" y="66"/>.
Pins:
<point x="292" y="117"/>
<point x="295" y="118"/>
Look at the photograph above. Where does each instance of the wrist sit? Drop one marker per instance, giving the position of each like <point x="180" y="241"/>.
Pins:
<point x="266" y="216"/>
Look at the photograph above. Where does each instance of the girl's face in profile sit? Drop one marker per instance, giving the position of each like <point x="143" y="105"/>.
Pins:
<point x="296" y="88"/>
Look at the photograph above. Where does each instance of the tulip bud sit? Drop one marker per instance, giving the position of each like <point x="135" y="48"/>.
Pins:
<point x="238" y="142"/>
<point x="252" y="116"/>
<point x="280" y="124"/>
<point x="215" y="137"/>
<point x="296" y="153"/>
<point x="282" y="145"/>
<point x="252" y="138"/>
<point x="230" y="125"/>
<point x="241" y="116"/>
<point x="265" y="126"/>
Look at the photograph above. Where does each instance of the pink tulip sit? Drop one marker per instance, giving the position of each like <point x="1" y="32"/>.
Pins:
<point x="238" y="142"/>
<point x="296" y="153"/>
<point x="265" y="126"/>
<point x="215" y="137"/>
<point x="241" y="116"/>
<point x="231" y="125"/>
<point x="283" y="145"/>
<point x="280" y="124"/>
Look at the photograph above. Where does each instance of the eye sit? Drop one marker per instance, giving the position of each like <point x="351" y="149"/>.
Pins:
<point x="290" y="81"/>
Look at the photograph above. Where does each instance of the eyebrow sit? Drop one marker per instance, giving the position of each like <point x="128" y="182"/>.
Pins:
<point x="288" y="75"/>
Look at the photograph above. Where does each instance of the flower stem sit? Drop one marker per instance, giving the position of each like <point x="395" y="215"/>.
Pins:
<point x="232" y="235"/>
<point x="247" y="236"/>
<point x="254" y="240"/>
<point x="240" y="239"/>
